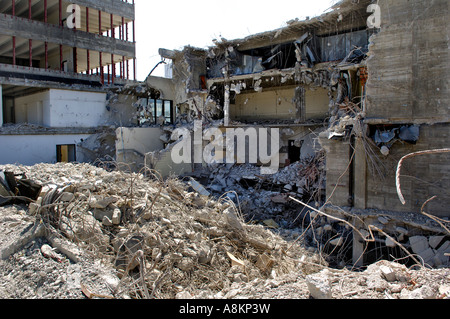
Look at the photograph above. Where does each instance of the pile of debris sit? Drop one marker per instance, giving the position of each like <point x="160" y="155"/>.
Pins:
<point x="266" y="197"/>
<point x="161" y="238"/>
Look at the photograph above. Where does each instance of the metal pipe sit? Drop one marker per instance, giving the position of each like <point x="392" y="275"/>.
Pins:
<point x="102" y="73"/>
<point x="134" y="41"/>
<point x="113" y="70"/>
<point x="113" y="33"/>
<point x="45" y="12"/>
<point x="99" y="22"/>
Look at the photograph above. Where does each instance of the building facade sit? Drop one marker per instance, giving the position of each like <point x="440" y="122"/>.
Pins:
<point x="60" y="63"/>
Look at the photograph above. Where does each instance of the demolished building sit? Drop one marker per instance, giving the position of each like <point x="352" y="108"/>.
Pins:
<point x="348" y="98"/>
<point x="66" y="69"/>
<point x="365" y="94"/>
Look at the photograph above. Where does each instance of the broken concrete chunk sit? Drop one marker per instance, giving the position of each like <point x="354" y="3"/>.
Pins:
<point x="116" y="216"/>
<point x="102" y="203"/>
<point x="401" y="230"/>
<point x="319" y="286"/>
<point x="418" y="244"/>
<point x="389" y="242"/>
<point x="383" y="220"/>
<point x="387" y="273"/>
<point x="33" y="209"/>
<point x="233" y="220"/>
<point x="66" y="197"/>
<point x="127" y="253"/>
<point x="434" y="241"/>
<point x="106" y="221"/>
<point x="337" y="242"/>
<point x="427" y="255"/>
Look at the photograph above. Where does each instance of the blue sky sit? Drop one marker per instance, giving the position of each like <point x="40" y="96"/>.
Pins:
<point x="174" y="24"/>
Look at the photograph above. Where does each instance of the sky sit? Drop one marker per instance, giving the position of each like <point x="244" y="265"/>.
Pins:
<point x="177" y="23"/>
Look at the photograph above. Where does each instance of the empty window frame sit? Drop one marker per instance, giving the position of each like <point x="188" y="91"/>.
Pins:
<point x="154" y="111"/>
<point x="66" y="153"/>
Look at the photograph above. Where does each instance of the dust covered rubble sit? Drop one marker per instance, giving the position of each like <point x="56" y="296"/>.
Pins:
<point x="109" y="234"/>
<point x="159" y="238"/>
<point x="266" y="197"/>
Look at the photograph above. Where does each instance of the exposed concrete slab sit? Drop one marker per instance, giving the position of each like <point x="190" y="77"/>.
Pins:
<point x="41" y="31"/>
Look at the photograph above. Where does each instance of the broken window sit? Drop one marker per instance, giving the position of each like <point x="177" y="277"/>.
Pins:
<point x="154" y="111"/>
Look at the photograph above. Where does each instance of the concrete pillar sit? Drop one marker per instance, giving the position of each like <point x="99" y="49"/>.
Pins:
<point x="226" y="107"/>
<point x="360" y="175"/>
<point x="300" y="102"/>
<point x="1" y="106"/>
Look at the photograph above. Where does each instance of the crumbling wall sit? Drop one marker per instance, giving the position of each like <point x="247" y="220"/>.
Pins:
<point x="133" y="143"/>
<point x="408" y="69"/>
<point x="409" y="63"/>
<point x="421" y="177"/>
<point x="32" y="149"/>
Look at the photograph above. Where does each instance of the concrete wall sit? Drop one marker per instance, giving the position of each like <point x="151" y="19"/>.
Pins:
<point x="408" y="83"/>
<point x="164" y="85"/>
<point x="279" y="105"/>
<point x="133" y="143"/>
<point x="33" y="109"/>
<point x="409" y="65"/>
<point x="77" y="109"/>
<point x="422" y="177"/>
<point x="337" y="171"/>
<point x="34" y="149"/>
<point x="63" y="108"/>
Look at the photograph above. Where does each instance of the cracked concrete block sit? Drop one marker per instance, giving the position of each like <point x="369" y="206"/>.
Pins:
<point x="319" y="286"/>
<point x="116" y="216"/>
<point x="418" y="244"/>
<point x="434" y="241"/>
<point x="390" y="243"/>
<point x="337" y="242"/>
<point x="427" y="255"/>
<point x="387" y="273"/>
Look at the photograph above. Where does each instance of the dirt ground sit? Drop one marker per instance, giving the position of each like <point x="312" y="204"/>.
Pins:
<point x="106" y="234"/>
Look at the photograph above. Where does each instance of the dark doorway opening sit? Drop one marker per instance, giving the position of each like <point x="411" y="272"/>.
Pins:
<point x="293" y="152"/>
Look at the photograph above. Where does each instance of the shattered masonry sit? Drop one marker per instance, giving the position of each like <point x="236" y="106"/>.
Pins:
<point x="349" y="102"/>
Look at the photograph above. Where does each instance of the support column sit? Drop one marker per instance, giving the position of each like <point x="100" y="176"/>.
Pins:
<point x="113" y="69"/>
<point x="75" y="61"/>
<point x="45" y="12"/>
<point x="226" y="106"/>
<point x="300" y="103"/>
<point x="30" y="46"/>
<point x="60" y="13"/>
<point x="360" y="175"/>
<point x="88" y="58"/>
<point x="134" y="41"/>
<point x="14" y="50"/>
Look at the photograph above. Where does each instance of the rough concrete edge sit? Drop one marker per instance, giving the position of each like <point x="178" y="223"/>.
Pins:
<point x="37" y="230"/>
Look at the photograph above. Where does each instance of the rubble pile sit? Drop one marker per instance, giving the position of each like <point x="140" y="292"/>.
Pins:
<point x="161" y="238"/>
<point x="266" y="197"/>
